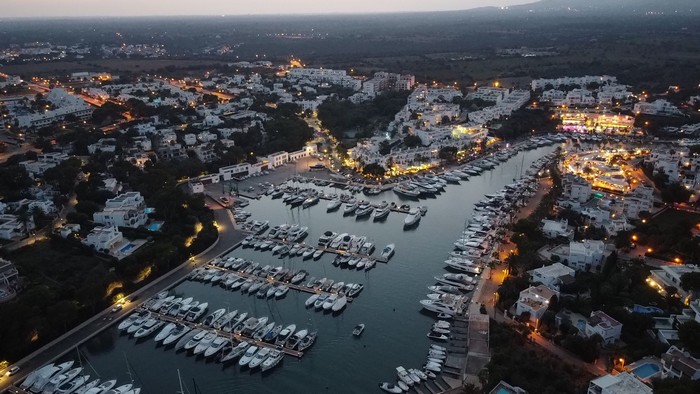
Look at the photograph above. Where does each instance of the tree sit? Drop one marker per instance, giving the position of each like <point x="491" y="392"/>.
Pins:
<point x="689" y="334"/>
<point x="411" y="141"/>
<point x="384" y="147"/>
<point x="374" y="169"/>
<point x="675" y="193"/>
<point x="690" y="281"/>
<point x="448" y="153"/>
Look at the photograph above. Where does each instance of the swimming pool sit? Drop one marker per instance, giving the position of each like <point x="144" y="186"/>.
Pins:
<point x="502" y="391"/>
<point x="155" y="226"/>
<point x="127" y="248"/>
<point x="646" y="370"/>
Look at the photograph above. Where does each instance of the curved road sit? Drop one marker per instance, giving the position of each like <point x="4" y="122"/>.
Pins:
<point x="229" y="237"/>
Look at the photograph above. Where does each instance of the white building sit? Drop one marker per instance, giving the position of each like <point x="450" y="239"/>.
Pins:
<point x="12" y="228"/>
<point x="586" y="255"/>
<point x="65" y="104"/>
<point x="577" y="81"/>
<point x="557" y="228"/>
<point x="670" y="276"/>
<point x="659" y="107"/>
<point x="640" y="200"/>
<point x="622" y="383"/>
<point x="552" y="276"/>
<point x="125" y="210"/>
<point x="678" y="363"/>
<point x="103" y="239"/>
<point x="599" y="323"/>
<point x="535" y="301"/>
<point x="577" y="188"/>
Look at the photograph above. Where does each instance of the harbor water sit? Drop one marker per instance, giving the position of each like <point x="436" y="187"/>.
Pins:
<point x="338" y="362"/>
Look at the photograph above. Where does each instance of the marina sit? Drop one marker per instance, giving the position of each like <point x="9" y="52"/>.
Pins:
<point x="386" y="341"/>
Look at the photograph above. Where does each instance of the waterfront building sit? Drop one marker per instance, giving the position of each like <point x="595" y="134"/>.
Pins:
<point x="125" y="210"/>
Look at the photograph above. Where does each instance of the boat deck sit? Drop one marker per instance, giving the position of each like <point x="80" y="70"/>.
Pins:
<point x="275" y="281"/>
<point x="238" y="337"/>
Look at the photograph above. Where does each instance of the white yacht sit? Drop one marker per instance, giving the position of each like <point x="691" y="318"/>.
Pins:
<point x="272" y="360"/>
<point x="388" y="251"/>
<point x="412" y="217"/>
<point x="333" y="204"/>
<point x="248" y="356"/>
<point x="259" y="357"/>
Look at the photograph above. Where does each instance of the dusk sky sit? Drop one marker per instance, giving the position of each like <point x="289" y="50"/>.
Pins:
<point x="72" y="8"/>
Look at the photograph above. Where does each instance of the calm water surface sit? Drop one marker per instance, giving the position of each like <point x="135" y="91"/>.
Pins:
<point x="338" y="362"/>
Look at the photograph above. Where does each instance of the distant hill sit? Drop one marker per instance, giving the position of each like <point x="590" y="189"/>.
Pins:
<point x="612" y="6"/>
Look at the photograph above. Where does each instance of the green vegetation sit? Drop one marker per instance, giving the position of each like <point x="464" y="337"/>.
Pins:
<point x="676" y="386"/>
<point x="689" y="334"/>
<point x="522" y="364"/>
<point x="670" y="235"/>
<point x="524" y="122"/>
<point x="341" y="116"/>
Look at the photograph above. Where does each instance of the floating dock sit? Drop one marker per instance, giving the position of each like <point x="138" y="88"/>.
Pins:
<point x="238" y="337"/>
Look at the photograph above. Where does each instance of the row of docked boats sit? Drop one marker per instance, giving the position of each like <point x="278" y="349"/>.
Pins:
<point x="408" y="379"/>
<point x="65" y="379"/>
<point x="185" y="308"/>
<point x="288" y="232"/>
<point x="263" y="282"/>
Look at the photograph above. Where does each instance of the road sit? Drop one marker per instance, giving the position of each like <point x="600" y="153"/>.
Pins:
<point x="183" y="86"/>
<point x="229" y="236"/>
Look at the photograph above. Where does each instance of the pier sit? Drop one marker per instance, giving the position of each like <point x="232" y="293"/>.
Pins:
<point x="275" y="281"/>
<point x="323" y="248"/>
<point x="221" y="333"/>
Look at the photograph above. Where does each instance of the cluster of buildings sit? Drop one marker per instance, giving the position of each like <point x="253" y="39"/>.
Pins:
<point x="142" y="50"/>
<point x="42" y="52"/>
<point x="506" y="102"/>
<point x="63" y="104"/>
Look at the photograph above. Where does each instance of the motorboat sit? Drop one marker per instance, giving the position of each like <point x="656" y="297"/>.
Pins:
<point x="445" y="289"/>
<point x="350" y="208"/>
<point x="59" y="379"/>
<point x="285" y="334"/>
<point x="326" y="238"/>
<point x="355" y="289"/>
<point x="85" y="387"/>
<point x="248" y="356"/>
<point x="328" y="302"/>
<point x="195" y="339"/>
<point x="403" y="386"/>
<point x="333" y="205"/>
<point x="339" y="304"/>
<point x="259" y="357"/>
<point x="310" y="301"/>
<point x="272" y="334"/>
<point x="70" y="386"/>
<point x="406" y="191"/>
<point x="272" y="360"/>
<point x="195" y="313"/>
<point x="403" y="376"/>
<point x="390" y="388"/>
<point x="367" y="248"/>
<point x="317" y="254"/>
<point x="148" y="328"/>
<point x="186" y="338"/>
<point x="216" y="346"/>
<point x="412" y="217"/>
<point x="335" y="242"/>
<point x="176" y="334"/>
<point x="416" y="379"/>
<point x="262" y="331"/>
<point x="136" y="325"/>
<point x="294" y="340"/>
<point x="223" y="320"/>
<point x="204" y="343"/>
<point x="364" y="210"/>
<point x="437" y="336"/>
<point x="298" y="277"/>
<point x="228" y="327"/>
<point x="123" y="389"/>
<point x="165" y="332"/>
<point x="253" y="324"/>
<point x="313" y="200"/>
<point x="419" y="373"/>
<point x="358" y="329"/>
<point x="388" y="251"/>
<point x="318" y="304"/>
<point x="307" y="341"/>
<point x="37" y="382"/>
<point x="129" y="321"/>
<point x="214" y="316"/>
<point x="440" y="306"/>
<point x="33" y="376"/>
<point x="235" y="352"/>
<point x="281" y="291"/>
